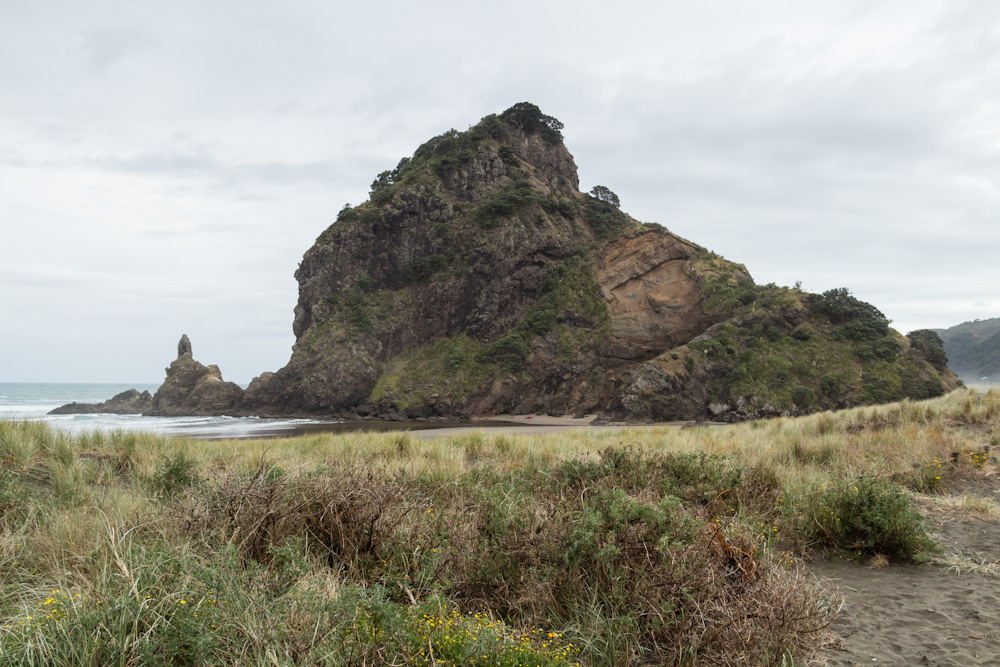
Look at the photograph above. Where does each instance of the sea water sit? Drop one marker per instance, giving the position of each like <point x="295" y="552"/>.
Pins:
<point x="33" y="401"/>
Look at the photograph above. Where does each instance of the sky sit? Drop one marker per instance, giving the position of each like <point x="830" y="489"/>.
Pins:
<point x="164" y="166"/>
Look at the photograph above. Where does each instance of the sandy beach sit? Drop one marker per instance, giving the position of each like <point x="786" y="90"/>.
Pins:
<point x="932" y="614"/>
<point x="535" y="425"/>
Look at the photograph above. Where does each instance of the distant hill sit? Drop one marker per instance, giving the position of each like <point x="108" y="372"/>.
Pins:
<point x="973" y="350"/>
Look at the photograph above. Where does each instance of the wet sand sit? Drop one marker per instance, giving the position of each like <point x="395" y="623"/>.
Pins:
<point x="922" y="614"/>
<point x="521" y="424"/>
<point x="535" y="425"/>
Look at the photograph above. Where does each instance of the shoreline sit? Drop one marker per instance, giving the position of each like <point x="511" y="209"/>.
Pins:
<point x="505" y="423"/>
<point x="254" y="428"/>
<point x="539" y="425"/>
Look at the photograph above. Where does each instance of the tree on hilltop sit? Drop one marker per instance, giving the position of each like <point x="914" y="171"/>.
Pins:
<point x="601" y="193"/>
<point x="528" y="118"/>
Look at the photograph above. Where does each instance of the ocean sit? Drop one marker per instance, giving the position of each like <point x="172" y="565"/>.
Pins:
<point x="33" y="400"/>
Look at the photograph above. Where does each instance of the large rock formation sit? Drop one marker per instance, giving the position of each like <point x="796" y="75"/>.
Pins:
<point x="191" y="388"/>
<point x="478" y="279"/>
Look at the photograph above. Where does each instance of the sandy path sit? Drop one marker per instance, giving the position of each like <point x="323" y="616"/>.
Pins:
<point x="922" y="614"/>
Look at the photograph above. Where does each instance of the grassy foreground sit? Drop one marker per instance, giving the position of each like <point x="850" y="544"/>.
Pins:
<point x="594" y="547"/>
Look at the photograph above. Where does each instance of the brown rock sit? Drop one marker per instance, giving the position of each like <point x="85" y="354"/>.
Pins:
<point x="184" y="346"/>
<point x="130" y="402"/>
<point x="191" y="388"/>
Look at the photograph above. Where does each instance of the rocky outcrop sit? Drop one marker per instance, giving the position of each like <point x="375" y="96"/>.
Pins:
<point x="653" y="296"/>
<point x="184" y="346"/>
<point x="478" y="279"/>
<point x="131" y="402"/>
<point x="786" y="358"/>
<point x="192" y="388"/>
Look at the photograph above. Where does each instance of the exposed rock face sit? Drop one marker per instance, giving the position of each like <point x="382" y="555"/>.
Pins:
<point x="130" y="402"/>
<point x="478" y="279"/>
<point x="191" y="388"/>
<point x="654" y="298"/>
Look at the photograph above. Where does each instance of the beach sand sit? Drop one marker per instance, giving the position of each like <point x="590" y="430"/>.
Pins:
<point x="922" y="614"/>
<point x="534" y="425"/>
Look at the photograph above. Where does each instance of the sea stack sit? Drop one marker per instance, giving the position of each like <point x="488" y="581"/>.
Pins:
<point x="192" y="388"/>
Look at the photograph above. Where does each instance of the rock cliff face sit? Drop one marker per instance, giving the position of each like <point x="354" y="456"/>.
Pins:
<point x="478" y="279"/>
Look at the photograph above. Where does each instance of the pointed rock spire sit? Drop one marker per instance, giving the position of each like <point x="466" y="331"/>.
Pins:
<point x="183" y="346"/>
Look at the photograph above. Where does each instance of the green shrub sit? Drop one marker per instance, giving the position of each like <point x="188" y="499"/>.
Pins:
<point x="528" y="118"/>
<point x="566" y="208"/>
<point x="697" y="477"/>
<point x="840" y="307"/>
<point x="506" y="154"/>
<point x="445" y="152"/>
<point x="876" y="388"/>
<point x="803" y="397"/>
<point x="424" y="267"/>
<point x="357" y="315"/>
<point x="511" y="352"/>
<point x="604" y="218"/>
<point x="347" y="214"/>
<point x="930" y="346"/>
<point x="830" y="384"/>
<point x="173" y="474"/>
<point x="931" y="387"/>
<point x="885" y="348"/>
<point x="865" y="517"/>
<point x="490" y="127"/>
<point x="726" y="293"/>
<point x="540" y="321"/>
<point x="803" y="332"/>
<point x="504" y="202"/>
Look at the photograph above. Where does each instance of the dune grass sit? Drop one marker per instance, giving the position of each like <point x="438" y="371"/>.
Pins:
<point x="594" y="547"/>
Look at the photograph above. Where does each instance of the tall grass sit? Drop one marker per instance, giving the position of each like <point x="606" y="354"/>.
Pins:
<point x="642" y="545"/>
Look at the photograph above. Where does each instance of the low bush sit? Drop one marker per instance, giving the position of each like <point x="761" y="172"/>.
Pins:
<point x="192" y="611"/>
<point x="511" y="352"/>
<point x="506" y="201"/>
<point x="424" y="267"/>
<point x="864" y="518"/>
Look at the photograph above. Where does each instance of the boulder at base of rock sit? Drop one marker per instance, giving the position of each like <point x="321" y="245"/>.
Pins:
<point x="191" y="388"/>
<point x="130" y="402"/>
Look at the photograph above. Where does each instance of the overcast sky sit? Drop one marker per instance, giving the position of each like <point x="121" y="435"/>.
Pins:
<point x="163" y="166"/>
